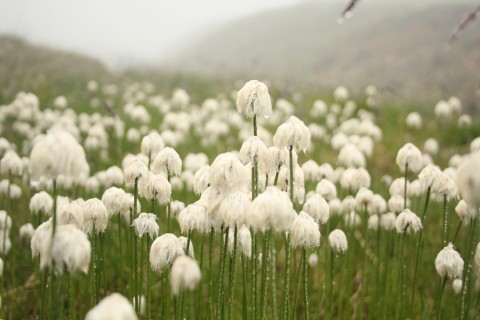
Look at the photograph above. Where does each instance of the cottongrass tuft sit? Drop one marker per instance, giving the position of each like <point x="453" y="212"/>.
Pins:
<point x="113" y="307"/>
<point x="185" y="274"/>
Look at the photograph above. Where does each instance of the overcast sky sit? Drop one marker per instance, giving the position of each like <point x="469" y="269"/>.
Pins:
<point x="122" y="31"/>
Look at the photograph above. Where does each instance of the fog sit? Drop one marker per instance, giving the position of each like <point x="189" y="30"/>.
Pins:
<point x="122" y="32"/>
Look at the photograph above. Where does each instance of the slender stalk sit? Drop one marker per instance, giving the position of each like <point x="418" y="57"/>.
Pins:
<point x="305" y="283"/>
<point x="211" y="275"/>
<point x="405" y="188"/>
<point x="199" y="307"/>
<point x="44" y="293"/>
<point x="466" y="276"/>
<point x="445" y="221"/>
<point x="400" y="276"/>
<point x="232" y="275"/>
<point x="168" y="208"/>
<point x="135" y="257"/>
<point x="419" y="248"/>
<point x="254" y="274"/>
<point x="263" y="293"/>
<point x="244" y="302"/>
<point x="221" y="296"/>
<point x="71" y="298"/>
<point x="330" y="308"/>
<point x="255" y="125"/>
<point x="102" y="259"/>
<point x="94" y="252"/>
<point x="298" y="272"/>
<point x="457" y="231"/>
<point x="147" y="294"/>
<point x="120" y="234"/>
<point x="286" y="288"/>
<point x="189" y="239"/>
<point x="274" y="278"/>
<point x="438" y="300"/>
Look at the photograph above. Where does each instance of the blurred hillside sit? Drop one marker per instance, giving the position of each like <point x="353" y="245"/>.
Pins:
<point x="399" y="46"/>
<point x="45" y="71"/>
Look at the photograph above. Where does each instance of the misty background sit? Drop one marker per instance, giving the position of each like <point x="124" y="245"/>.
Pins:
<point x="400" y="46"/>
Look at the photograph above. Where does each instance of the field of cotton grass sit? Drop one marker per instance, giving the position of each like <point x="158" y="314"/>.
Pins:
<point x="139" y="204"/>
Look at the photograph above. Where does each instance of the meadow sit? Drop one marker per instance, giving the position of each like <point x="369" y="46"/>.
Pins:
<point x="126" y="199"/>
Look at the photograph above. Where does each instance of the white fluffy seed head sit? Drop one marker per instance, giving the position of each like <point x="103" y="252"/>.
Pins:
<point x="227" y="173"/>
<point x="41" y="203"/>
<point x="185" y="274"/>
<point x="41" y="243"/>
<point x="363" y="198"/>
<point x="96" y="216"/>
<point x="468" y="180"/>
<point x="155" y="187"/>
<point x="465" y="212"/>
<point x="253" y="150"/>
<point x="253" y="100"/>
<point x="164" y="250"/>
<point x="11" y="164"/>
<point x="313" y="260"/>
<point x="26" y="231"/>
<point x="271" y="209"/>
<point x="134" y="170"/>
<point x="317" y="207"/>
<point x="338" y="241"/>
<point x="234" y="208"/>
<point x="444" y="187"/>
<point x="244" y="241"/>
<point x="194" y="217"/>
<point x="428" y="176"/>
<point x="184" y="241"/>
<point x="201" y="179"/>
<point x="146" y="224"/>
<point x="114" y="198"/>
<point x="351" y="157"/>
<point x="373" y="222"/>
<point x="457" y="286"/>
<point x="414" y="120"/>
<point x="378" y="205"/>
<point x="70" y="249"/>
<point x="70" y="212"/>
<point x="326" y="189"/>
<point x="167" y="162"/>
<point x="292" y="134"/>
<point x="152" y="144"/>
<point x="57" y="153"/>
<point x="396" y="203"/>
<point x="410" y="156"/>
<point x="407" y="221"/>
<point x="113" y="307"/>
<point x="449" y="263"/>
<point x="387" y="221"/>
<point x="305" y="232"/>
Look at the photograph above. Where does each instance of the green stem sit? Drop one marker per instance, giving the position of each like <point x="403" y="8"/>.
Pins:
<point x="445" y="221"/>
<point x="286" y="288"/>
<point x="189" y="237"/>
<point x="135" y="258"/>
<point x="244" y="302"/>
<point x="254" y="273"/>
<point x="438" y="300"/>
<point x="405" y="188"/>
<point x="94" y="252"/>
<point x="168" y="208"/>
<point x="232" y="275"/>
<point x="120" y="234"/>
<point x="147" y="294"/>
<point x="419" y="248"/>
<point x="221" y="296"/>
<point x="44" y="291"/>
<point x="330" y="308"/>
<point x="305" y="283"/>
<point x="400" y="276"/>
<point x="211" y="275"/>
<point x="255" y="125"/>
<point x="263" y="293"/>
<point x="466" y="276"/>
<point x="457" y="230"/>
<point x="102" y="260"/>
<point x="274" y="278"/>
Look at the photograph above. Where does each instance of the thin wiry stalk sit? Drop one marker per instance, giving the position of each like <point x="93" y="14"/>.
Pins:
<point x="400" y="276"/>
<point x="189" y="239"/>
<point x="330" y="307"/>
<point x="263" y="293"/>
<point x="102" y="259"/>
<point x="349" y="8"/>
<point x="221" y="296"/>
<point x="147" y="294"/>
<point x="274" y="279"/>
<point x="405" y="188"/>
<point x="44" y="293"/>
<point x="135" y="254"/>
<point x="286" y="310"/>
<point x="94" y="252"/>
<point x="472" y="239"/>
<point x="244" y="302"/>
<point x="168" y="208"/>
<point x="199" y="291"/>
<point x="445" y="221"/>
<point x="120" y="234"/>
<point x="467" y="21"/>
<point x="210" y="278"/>
<point x="419" y="247"/>
<point x="232" y="275"/>
<point x="438" y="300"/>
<point x="305" y="283"/>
